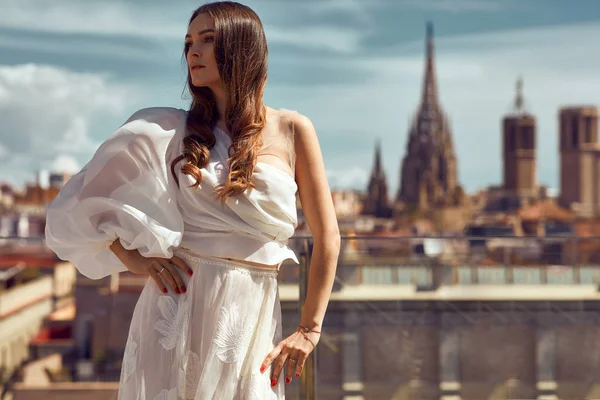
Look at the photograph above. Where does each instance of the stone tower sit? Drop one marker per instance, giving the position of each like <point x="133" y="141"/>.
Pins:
<point x="377" y="203"/>
<point x="580" y="160"/>
<point x="518" y="150"/>
<point x="428" y="172"/>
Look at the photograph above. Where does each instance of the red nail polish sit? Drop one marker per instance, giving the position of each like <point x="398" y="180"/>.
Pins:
<point x="164" y="290"/>
<point x="273" y="382"/>
<point x="287" y="380"/>
<point x="262" y="368"/>
<point x="297" y="375"/>
<point x="177" y="291"/>
<point x="190" y="272"/>
<point x="183" y="289"/>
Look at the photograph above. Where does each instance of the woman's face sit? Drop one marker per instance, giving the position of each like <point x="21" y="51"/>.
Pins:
<point x="199" y="44"/>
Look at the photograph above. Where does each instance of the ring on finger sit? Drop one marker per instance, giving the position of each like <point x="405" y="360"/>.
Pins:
<point x="293" y="360"/>
<point x="162" y="270"/>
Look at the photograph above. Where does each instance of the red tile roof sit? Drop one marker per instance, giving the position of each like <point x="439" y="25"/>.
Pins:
<point x="42" y="260"/>
<point x="545" y="210"/>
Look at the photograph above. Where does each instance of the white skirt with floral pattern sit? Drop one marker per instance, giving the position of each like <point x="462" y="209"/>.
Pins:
<point x="209" y="342"/>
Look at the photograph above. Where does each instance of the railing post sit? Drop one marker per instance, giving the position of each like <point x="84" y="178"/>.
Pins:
<point x="577" y="264"/>
<point x="308" y="382"/>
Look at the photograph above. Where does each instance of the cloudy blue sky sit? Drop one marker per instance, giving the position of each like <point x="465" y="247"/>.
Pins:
<point x="71" y="72"/>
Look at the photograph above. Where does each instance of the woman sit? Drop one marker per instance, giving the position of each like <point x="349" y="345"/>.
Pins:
<point x="204" y="201"/>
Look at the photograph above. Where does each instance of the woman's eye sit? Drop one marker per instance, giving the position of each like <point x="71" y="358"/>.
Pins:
<point x="207" y="39"/>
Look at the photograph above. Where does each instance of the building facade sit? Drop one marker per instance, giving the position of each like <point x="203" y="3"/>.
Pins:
<point x="579" y="160"/>
<point x="519" y="150"/>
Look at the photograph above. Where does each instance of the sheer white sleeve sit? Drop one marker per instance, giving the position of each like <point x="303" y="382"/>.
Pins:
<point x="125" y="192"/>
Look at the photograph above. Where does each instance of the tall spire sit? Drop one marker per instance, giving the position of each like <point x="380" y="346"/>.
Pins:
<point x="430" y="97"/>
<point x="377" y="198"/>
<point x="428" y="172"/>
<point x="377" y="167"/>
<point x="519" y="101"/>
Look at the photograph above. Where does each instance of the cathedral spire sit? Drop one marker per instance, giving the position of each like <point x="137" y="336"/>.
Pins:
<point x="429" y="172"/>
<point x="430" y="96"/>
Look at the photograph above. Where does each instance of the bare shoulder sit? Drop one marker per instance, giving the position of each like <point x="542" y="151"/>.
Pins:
<point x="305" y="135"/>
<point x="297" y="122"/>
<point x="311" y="177"/>
<point x="296" y="134"/>
<point x="309" y="159"/>
<point x="302" y="124"/>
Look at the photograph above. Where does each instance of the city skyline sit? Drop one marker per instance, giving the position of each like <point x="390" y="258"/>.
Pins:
<point x="93" y="67"/>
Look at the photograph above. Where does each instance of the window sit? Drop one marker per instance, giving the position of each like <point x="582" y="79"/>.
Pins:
<point x="511" y="139"/>
<point x="563" y="133"/>
<point x="589" y="130"/>
<point x="574" y="132"/>
<point x="528" y="138"/>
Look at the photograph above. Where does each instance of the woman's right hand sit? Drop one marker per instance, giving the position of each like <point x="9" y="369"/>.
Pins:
<point x="162" y="270"/>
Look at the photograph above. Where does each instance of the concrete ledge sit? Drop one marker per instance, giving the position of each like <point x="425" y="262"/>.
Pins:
<point x="547" y="390"/>
<point x="353" y="387"/>
<point x="450" y="390"/>
<point x="450" y="386"/>
<point x="546" y="385"/>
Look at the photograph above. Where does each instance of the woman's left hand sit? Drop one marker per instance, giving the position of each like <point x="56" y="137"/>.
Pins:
<point x="292" y="353"/>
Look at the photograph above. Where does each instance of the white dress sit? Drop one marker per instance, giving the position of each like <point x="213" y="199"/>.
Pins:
<point x="209" y="342"/>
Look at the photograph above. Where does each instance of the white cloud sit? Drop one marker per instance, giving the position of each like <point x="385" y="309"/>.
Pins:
<point x="48" y="112"/>
<point x="76" y="137"/>
<point x="477" y="87"/>
<point x="341" y="178"/>
<point x="65" y="164"/>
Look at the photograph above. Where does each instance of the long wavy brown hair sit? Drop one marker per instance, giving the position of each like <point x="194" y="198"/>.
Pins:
<point x="241" y="54"/>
